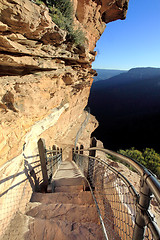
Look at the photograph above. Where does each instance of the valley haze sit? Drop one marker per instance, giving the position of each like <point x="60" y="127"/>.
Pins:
<point x="127" y="107"/>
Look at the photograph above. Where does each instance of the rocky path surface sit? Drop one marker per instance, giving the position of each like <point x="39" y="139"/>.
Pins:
<point x="68" y="213"/>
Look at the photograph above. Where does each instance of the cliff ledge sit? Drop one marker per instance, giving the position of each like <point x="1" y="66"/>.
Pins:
<point x="45" y="82"/>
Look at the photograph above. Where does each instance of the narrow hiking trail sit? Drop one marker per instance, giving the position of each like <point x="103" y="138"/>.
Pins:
<point x="66" y="213"/>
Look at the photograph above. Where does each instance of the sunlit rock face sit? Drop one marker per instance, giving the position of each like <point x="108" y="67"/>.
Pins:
<point x="45" y="80"/>
<point x="94" y="14"/>
<point x="40" y="70"/>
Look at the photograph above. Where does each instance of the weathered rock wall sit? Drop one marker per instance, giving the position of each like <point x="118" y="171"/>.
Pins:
<point x="44" y="85"/>
<point x="40" y="70"/>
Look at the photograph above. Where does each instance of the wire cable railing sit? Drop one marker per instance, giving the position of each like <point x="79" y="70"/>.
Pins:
<point x="50" y="161"/>
<point x="17" y="185"/>
<point x="125" y="213"/>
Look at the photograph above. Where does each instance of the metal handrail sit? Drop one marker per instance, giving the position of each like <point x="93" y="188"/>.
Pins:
<point x="148" y="177"/>
<point x="95" y="179"/>
<point x="129" y="185"/>
<point x="51" y="151"/>
<point x="99" y="212"/>
<point x="48" y="151"/>
<point x="54" y="157"/>
<point x="149" y="185"/>
<point x="47" y="156"/>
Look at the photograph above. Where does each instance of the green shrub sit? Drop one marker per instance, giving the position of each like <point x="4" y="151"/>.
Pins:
<point x="148" y="157"/>
<point x="78" y="36"/>
<point x="158" y="171"/>
<point x="61" y="12"/>
<point x="39" y="2"/>
<point x="58" y="19"/>
<point x="64" y="6"/>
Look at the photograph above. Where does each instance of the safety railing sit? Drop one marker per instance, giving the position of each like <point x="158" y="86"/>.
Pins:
<point x="20" y="178"/>
<point x="124" y="213"/>
<point x="50" y="160"/>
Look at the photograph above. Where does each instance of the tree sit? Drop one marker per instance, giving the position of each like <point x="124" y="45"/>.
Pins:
<point x="152" y="160"/>
<point x="133" y="153"/>
<point x="149" y="158"/>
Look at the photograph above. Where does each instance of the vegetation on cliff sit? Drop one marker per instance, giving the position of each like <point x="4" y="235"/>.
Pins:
<point x="148" y="157"/>
<point x="62" y="14"/>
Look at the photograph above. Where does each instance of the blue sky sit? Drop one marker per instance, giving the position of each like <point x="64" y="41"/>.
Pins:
<point x="133" y="42"/>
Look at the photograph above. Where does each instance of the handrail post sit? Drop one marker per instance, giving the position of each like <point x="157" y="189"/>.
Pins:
<point x="54" y="148"/>
<point x="92" y="153"/>
<point x="58" y="150"/>
<point x="143" y="224"/>
<point x="73" y="151"/>
<point x="76" y="150"/>
<point x="42" y="154"/>
<point x="142" y="206"/>
<point x="81" y="149"/>
<point x="93" y="143"/>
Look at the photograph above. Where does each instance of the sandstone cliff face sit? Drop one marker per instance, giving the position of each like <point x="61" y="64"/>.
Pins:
<point x="40" y="70"/>
<point x="44" y="80"/>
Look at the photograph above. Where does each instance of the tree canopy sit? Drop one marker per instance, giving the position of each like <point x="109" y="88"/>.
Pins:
<point x="148" y="157"/>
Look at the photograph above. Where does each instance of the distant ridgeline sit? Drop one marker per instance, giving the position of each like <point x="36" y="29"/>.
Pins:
<point x="127" y="107"/>
<point x="103" y="74"/>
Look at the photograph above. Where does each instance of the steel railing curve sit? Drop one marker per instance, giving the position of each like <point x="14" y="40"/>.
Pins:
<point x="149" y="185"/>
<point x="128" y="184"/>
<point x="149" y="178"/>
